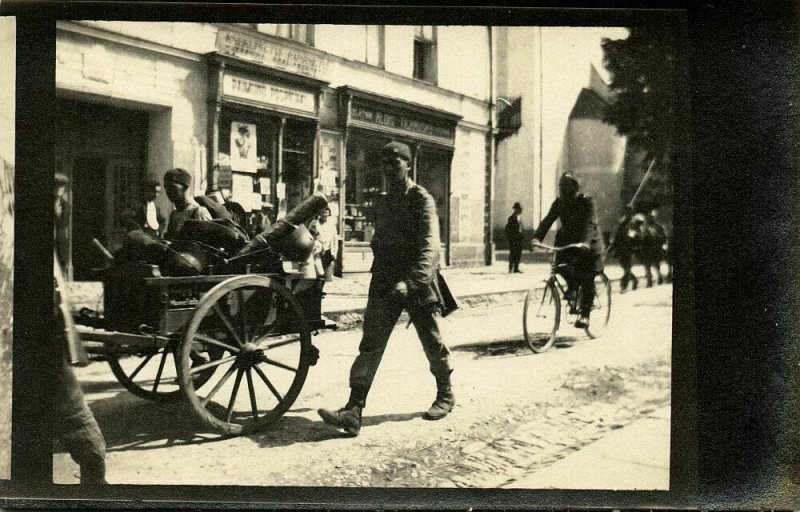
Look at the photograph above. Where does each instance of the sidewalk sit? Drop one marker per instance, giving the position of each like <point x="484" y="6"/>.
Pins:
<point x="471" y="286"/>
<point x="640" y="449"/>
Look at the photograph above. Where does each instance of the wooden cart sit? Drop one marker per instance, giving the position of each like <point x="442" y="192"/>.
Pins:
<point x="236" y="346"/>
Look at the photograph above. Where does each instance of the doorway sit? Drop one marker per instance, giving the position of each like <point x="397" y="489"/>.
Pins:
<point x="103" y="151"/>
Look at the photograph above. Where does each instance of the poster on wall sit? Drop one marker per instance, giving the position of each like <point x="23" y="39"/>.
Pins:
<point x="243" y="147"/>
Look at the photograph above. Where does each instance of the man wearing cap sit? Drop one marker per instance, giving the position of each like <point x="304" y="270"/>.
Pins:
<point x="177" y="184"/>
<point x="404" y="276"/>
<point x="514" y="236"/>
<point x="578" y="217"/>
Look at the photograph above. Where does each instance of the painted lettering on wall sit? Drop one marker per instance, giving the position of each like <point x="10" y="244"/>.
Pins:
<point x="400" y="122"/>
<point x="267" y="93"/>
<point x="255" y="49"/>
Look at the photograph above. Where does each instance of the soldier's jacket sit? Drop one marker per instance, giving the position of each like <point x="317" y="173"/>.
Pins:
<point x="578" y="223"/>
<point x="406" y="242"/>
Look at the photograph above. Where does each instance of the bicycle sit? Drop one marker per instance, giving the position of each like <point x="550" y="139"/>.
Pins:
<point x="541" y="316"/>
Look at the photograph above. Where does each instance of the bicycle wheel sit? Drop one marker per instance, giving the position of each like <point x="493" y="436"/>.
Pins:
<point x="601" y="307"/>
<point x="541" y="316"/>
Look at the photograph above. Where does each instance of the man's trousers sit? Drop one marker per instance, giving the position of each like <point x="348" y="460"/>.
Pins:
<point x="380" y="319"/>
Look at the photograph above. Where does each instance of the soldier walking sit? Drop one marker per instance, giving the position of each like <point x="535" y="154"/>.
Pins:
<point x="404" y="276"/>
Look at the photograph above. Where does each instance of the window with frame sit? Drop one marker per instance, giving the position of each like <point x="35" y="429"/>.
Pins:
<point x="425" y="53"/>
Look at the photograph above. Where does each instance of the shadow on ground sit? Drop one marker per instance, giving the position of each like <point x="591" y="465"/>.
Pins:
<point x="511" y="347"/>
<point x="297" y="429"/>
<point x="130" y="423"/>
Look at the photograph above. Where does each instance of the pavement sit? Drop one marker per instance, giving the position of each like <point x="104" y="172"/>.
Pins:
<point x="641" y="448"/>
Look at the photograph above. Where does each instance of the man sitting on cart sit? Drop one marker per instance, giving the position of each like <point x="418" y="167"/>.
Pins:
<point x="177" y="184"/>
<point x="578" y="217"/>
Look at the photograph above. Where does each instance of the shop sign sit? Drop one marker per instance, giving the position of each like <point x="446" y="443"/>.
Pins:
<point x="267" y="93"/>
<point x="255" y="49"/>
<point x="401" y="123"/>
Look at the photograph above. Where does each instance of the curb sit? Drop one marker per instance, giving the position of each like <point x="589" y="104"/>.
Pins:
<point x="352" y="319"/>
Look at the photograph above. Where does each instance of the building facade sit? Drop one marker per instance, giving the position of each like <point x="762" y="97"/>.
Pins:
<point x="269" y="114"/>
<point x="549" y="78"/>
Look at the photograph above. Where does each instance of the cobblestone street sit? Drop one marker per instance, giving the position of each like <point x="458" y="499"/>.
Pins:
<point x="517" y="413"/>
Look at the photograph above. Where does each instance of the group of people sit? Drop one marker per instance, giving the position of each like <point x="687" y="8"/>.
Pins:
<point x="640" y="235"/>
<point x="405" y="276"/>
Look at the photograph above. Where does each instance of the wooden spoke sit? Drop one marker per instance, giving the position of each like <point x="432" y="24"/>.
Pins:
<point x="280" y="341"/>
<point x="160" y="370"/>
<point x="227" y="323"/>
<point x="211" y="364"/>
<point x="268" y="383"/>
<point x="281" y="365"/>
<point x="213" y="341"/>
<point x="242" y="316"/>
<point x="141" y="365"/>
<point x="235" y="392"/>
<point x="252" y="390"/>
<point x="219" y="385"/>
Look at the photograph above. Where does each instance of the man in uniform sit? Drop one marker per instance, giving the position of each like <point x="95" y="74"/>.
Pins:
<point x="404" y="276"/>
<point x="514" y="236"/>
<point x="578" y="216"/>
<point x="623" y="245"/>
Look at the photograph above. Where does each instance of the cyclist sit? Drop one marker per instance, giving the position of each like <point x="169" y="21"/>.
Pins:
<point x="578" y="217"/>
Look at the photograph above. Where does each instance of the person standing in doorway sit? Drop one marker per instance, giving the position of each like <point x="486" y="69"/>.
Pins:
<point x="514" y="236"/>
<point x="404" y="276"/>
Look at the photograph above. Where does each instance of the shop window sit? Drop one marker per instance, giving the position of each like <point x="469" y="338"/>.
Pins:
<point x="364" y="183"/>
<point x="302" y="33"/>
<point x="298" y="148"/>
<point x="247" y="157"/>
<point x="425" y="53"/>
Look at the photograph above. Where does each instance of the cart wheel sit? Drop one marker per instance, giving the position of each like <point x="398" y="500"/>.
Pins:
<point x="151" y="373"/>
<point x="260" y="327"/>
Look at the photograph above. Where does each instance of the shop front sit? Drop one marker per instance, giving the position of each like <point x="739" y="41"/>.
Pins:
<point x="264" y="133"/>
<point x="369" y="122"/>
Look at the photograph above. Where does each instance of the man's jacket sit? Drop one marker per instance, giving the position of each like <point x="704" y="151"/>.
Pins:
<point x="406" y="243"/>
<point x="578" y="223"/>
<point x="514" y="230"/>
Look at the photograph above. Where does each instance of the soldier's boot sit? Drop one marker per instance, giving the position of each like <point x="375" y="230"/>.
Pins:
<point x="445" y="399"/>
<point x="349" y="416"/>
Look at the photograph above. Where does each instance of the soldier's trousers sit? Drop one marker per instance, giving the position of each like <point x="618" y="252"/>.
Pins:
<point x="380" y="318"/>
<point x="77" y="429"/>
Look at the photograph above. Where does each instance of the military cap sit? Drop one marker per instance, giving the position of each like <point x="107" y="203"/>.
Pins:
<point x="397" y="148"/>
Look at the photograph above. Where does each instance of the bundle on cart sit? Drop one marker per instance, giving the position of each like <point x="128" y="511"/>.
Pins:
<point x="222" y="246"/>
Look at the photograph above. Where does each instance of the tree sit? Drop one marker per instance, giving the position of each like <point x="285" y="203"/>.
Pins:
<point x="648" y="78"/>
